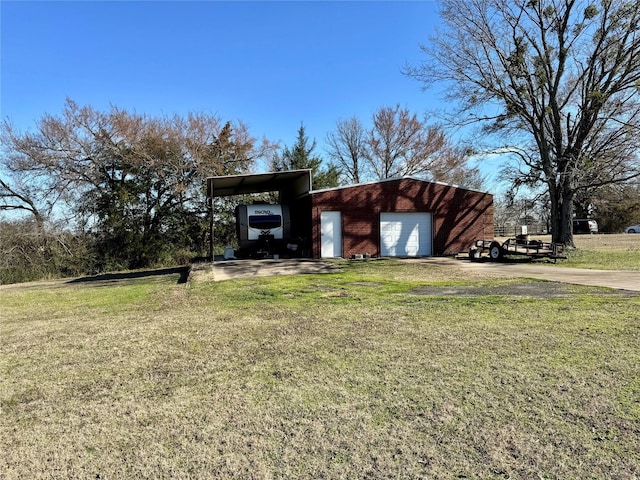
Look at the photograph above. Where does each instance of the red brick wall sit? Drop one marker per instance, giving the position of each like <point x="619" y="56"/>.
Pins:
<point x="459" y="216"/>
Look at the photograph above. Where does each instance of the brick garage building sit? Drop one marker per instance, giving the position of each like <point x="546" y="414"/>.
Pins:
<point x="398" y="217"/>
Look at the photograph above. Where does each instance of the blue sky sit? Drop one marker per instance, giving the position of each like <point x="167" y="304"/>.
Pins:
<point x="269" y="64"/>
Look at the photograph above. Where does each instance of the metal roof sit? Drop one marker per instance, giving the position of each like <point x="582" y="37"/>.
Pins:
<point x="396" y="179"/>
<point x="292" y="184"/>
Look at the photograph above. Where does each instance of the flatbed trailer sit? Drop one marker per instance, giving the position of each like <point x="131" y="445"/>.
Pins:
<point x="518" y="246"/>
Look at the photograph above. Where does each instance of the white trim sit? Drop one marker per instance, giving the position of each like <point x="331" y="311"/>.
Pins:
<point x="394" y="179"/>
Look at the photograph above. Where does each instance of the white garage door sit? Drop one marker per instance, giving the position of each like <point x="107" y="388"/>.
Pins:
<point x="405" y="234"/>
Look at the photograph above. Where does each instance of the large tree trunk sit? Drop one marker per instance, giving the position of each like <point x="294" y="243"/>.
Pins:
<point x="561" y="214"/>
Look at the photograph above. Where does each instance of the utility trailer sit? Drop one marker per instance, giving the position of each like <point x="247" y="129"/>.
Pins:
<point x="518" y="246"/>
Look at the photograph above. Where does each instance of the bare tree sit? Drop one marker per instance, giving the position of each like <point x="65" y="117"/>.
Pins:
<point x="400" y="144"/>
<point x="347" y="146"/>
<point x="26" y="186"/>
<point x="452" y="166"/>
<point x="18" y="194"/>
<point x="557" y="79"/>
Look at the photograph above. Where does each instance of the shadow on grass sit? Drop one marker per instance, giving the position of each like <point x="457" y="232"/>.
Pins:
<point x="182" y="272"/>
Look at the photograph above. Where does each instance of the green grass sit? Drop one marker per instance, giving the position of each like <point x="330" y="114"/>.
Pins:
<point x="605" y="252"/>
<point x="603" y="260"/>
<point x="348" y="375"/>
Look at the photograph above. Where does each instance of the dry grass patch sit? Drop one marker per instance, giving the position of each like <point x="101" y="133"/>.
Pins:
<point x="349" y="375"/>
<point x="615" y="242"/>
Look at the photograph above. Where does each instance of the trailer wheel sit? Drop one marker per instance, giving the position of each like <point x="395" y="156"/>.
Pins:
<point x="495" y="252"/>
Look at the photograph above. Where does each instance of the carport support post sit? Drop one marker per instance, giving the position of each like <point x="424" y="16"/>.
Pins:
<point x="211" y="228"/>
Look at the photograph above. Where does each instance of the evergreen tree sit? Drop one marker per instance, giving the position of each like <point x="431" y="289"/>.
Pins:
<point x="301" y="157"/>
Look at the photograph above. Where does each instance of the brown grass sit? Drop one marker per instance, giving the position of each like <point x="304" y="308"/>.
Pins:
<point x="614" y="242"/>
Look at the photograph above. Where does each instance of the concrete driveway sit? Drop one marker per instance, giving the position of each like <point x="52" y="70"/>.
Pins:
<point x="618" y="279"/>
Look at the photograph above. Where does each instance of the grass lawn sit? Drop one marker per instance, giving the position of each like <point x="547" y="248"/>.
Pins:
<point x="374" y="372"/>
<point x="606" y="252"/>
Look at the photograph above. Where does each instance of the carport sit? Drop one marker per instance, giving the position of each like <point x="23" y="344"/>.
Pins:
<point x="292" y="187"/>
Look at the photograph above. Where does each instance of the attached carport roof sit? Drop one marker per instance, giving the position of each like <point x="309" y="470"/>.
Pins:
<point x="291" y="185"/>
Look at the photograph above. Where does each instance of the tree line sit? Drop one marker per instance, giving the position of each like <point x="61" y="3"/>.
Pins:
<point x="95" y="191"/>
<point x="128" y="187"/>
<point x="399" y="144"/>
<point x="614" y="207"/>
<point x="395" y="144"/>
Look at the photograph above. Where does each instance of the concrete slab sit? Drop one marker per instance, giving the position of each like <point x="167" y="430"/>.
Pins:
<point x="231" y="269"/>
<point x="618" y="279"/>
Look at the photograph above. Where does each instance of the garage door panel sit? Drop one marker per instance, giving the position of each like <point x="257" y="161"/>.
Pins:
<point x="405" y="234"/>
